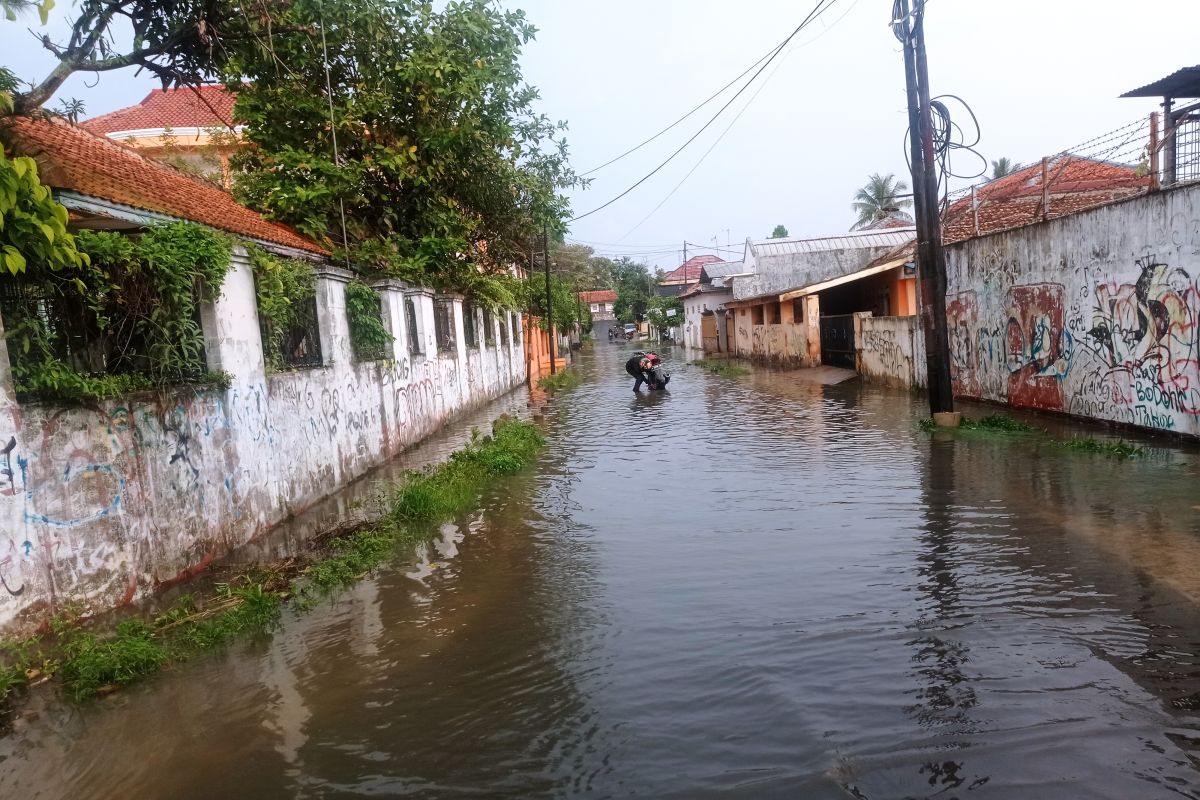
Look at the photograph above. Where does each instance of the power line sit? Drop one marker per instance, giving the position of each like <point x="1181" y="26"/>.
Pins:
<point x="818" y="9"/>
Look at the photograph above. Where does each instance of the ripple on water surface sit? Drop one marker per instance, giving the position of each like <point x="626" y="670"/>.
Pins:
<point x="752" y="587"/>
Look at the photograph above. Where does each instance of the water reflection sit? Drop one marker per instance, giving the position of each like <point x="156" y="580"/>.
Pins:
<point x="756" y="587"/>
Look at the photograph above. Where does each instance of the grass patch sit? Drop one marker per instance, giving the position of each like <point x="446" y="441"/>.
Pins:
<point x="92" y="662"/>
<point x="1118" y="449"/>
<point x="997" y="422"/>
<point x="560" y="381"/>
<point x="722" y="368"/>
<point x="1005" y="424"/>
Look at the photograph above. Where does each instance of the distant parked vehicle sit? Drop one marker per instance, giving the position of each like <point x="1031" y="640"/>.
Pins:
<point x="630" y="331"/>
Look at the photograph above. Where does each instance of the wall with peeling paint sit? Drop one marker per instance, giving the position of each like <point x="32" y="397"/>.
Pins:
<point x="887" y="349"/>
<point x="1095" y="314"/>
<point x="102" y="505"/>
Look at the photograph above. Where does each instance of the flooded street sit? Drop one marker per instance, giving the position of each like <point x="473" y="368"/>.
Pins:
<point x="754" y="587"/>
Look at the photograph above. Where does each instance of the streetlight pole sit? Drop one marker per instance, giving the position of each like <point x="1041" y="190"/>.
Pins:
<point x="931" y="258"/>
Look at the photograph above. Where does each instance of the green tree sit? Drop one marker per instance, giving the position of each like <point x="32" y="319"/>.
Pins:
<point x="445" y="172"/>
<point x="181" y="42"/>
<point x="1002" y="167"/>
<point x="634" y="286"/>
<point x="578" y="263"/>
<point x="780" y="232"/>
<point x="879" y="199"/>
<point x="657" y="312"/>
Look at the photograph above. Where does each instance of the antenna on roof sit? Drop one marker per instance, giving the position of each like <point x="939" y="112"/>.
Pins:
<point x="337" y="161"/>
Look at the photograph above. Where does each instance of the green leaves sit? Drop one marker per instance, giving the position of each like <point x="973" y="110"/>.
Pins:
<point x="369" y="338"/>
<point x="33" y="227"/>
<point x="281" y="285"/>
<point x="444" y="167"/>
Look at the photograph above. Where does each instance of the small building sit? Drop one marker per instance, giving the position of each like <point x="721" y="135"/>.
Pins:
<point x="190" y="128"/>
<point x="601" y="303"/>
<point x="796" y="299"/>
<point x="704" y="307"/>
<point x="676" y="282"/>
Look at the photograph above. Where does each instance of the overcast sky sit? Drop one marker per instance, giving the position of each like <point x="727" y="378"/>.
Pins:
<point x="1042" y="75"/>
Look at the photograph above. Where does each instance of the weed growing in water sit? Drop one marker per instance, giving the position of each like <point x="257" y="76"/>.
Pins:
<point x="723" y="368"/>
<point x="997" y="422"/>
<point x="1119" y="449"/>
<point x="560" y="381"/>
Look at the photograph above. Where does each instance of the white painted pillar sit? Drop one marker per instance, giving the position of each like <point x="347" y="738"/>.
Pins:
<point x="232" y="338"/>
<point x="392" y="294"/>
<point x="331" y="315"/>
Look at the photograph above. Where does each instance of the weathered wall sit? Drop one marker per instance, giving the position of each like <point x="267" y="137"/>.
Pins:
<point x="101" y="505"/>
<point x="1093" y="314"/>
<point x="776" y="274"/>
<point x="886" y="351"/>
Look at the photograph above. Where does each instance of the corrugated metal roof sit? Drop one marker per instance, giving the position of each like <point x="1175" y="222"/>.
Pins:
<point x="892" y="237"/>
<point x="1184" y="83"/>
<point x="724" y="269"/>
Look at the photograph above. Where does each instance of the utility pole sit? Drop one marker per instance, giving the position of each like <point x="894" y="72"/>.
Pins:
<point x="549" y="298"/>
<point x="931" y="258"/>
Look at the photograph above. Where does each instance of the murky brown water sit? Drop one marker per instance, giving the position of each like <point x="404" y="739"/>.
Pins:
<point x="749" y="588"/>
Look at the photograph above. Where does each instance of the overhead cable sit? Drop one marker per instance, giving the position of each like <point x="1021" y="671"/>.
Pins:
<point x="817" y="10"/>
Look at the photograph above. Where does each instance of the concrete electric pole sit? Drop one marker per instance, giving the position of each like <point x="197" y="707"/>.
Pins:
<point x="931" y="258"/>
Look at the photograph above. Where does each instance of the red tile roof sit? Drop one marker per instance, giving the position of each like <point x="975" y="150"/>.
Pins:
<point x="689" y="271"/>
<point x="601" y="296"/>
<point x="1076" y="184"/>
<point x="208" y="106"/>
<point x="71" y="158"/>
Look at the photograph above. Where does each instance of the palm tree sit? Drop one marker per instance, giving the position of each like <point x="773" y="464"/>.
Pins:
<point x="879" y="200"/>
<point x="1002" y="167"/>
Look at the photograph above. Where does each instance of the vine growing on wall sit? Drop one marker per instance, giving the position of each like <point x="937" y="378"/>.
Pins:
<point x="369" y="337"/>
<point x="282" y="286"/>
<point x="126" y="318"/>
<point x="33" y="227"/>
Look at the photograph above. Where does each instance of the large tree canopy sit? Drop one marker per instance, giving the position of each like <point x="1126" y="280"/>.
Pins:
<point x="443" y="165"/>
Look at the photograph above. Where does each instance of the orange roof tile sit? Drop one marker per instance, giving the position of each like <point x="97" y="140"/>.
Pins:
<point x="73" y="159"/>
<point x="600" y="296"/>
<point x="209" y="106"/>
<point x="690" y="270"/>
<point x="1076" y="184"/>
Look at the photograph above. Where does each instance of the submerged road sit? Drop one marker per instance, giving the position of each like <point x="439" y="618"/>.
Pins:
<point x="747" y="588"/>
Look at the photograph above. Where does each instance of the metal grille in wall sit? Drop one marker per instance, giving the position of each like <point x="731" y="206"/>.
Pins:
<point x="504" y="327"/>
<point x="443" y="326"/>
<point x="469" y="334"/>
<point x="300" y="347"/>
<point x="413" y="327"/>
<point x="489" y="329"/>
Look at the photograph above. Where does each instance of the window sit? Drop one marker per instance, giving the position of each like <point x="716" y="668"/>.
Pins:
<point x="596" y="308"/>
<point x="470" y="336"/>
<point x="414" y="327"/>
<point x="798" y="309"/>
<point x="504" y="327"/>
<point x="774" y="313"/>
<point x="489" y="329"/>
<point x="756" y="315"/>
<point x="443" y="326"/>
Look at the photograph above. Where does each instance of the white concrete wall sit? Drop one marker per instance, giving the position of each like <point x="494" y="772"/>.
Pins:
<point x="1096" y="314"/>
<point x="102" y="505"/>
<point x="887" y="348"/>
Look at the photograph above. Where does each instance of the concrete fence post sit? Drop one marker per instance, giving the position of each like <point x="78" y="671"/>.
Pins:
<point x="232" y="337"/>
<point x="331" y="314"/>
<point x="391" y="294"/>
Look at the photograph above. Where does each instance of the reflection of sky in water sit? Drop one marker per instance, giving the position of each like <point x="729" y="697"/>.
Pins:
<point x="752" y="587"/>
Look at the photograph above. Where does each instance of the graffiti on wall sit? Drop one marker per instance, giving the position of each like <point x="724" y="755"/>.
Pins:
<point x="1125" y="349"/>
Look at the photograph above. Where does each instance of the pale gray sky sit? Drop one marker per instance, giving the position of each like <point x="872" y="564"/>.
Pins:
<point x="1041" y="75"/>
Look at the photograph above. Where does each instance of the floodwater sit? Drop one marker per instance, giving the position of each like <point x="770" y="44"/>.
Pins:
<point x="750" y="588"/>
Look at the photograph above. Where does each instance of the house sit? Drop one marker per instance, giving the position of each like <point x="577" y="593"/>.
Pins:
<point x="601" y="303"/>
<point x="192" y="128"/>
<point x="675" y="282"/>
<point x="704" y="307"/>
<point x="796" y="299"/>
